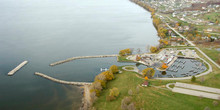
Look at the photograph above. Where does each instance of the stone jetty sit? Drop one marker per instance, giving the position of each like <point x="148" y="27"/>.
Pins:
<point x="81" y="57"/>
<point x="12" y="72"/>
<point x="62" y="81"/>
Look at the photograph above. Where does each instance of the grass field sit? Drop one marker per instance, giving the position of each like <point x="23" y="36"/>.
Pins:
<point x="212" y="16"/>
<point x="150" y="98"/>
<point x="211" y="52"/>
<point x="123" y="59"/>
<point x="129" y="68"/>
<point x="213" y="78"/>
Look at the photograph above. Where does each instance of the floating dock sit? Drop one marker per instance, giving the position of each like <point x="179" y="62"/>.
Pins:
<point x="12" y="72"/>
<point x="81" y="57"/>
<point x="62" y="81"/>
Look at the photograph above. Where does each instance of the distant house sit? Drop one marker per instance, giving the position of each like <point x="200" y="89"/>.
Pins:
<point x="209" y="30"/>
<point x="203" y="38"/>
<point x="180" y="29"/>
<point x="180" y="39"/>
<point x="145" y="84"/>
<point x="182" y="19"/>
<point x="184" y="15"/>
<point x="186" y="27"/>
<point x="214" y="38"/>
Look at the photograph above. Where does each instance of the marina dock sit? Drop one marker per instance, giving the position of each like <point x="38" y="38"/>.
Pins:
<point x="81" y="57"/>
<point x="12" y="72"/>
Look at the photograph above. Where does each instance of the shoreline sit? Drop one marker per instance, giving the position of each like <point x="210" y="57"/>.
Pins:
<point x="86" y="94"/>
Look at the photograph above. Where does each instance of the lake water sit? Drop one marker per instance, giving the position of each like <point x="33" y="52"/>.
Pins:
<point x="45" y="31"/>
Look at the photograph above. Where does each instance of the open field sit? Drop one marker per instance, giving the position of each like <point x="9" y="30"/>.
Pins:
<point x="213" y="78"/>
<point x="123" y="59"/>
<point x="212" y="16"/>
<point x="150" y="98"/>
<point x="211" y="52"/>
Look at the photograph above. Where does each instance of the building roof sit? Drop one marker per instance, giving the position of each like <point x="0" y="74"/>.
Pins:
<point x="145" y="83"/>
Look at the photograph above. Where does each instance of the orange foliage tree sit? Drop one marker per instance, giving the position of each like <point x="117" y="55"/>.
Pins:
<point x="153" y="49"/>
<point x="146" y="78"/>
<point x="164" y="66"/>
<point x="149" y="72"/>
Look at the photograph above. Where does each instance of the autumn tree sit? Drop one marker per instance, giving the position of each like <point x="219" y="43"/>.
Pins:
<point x="190" y="37"/>
<point x="109" y="75"/>
<point x="153" y="49"/>
<point x="96" y="87"/>
<point x="125" y="52"/>
<point x="156" y="21"/>
<point x="163" y="42"/>
<point x="127" y="104"/>
<point x="114" y="69"/>
<point x="149" y="72"/>
<point x="102" y="79"/>
<point x="114" y="92"/>
<point x="164" y="66"/>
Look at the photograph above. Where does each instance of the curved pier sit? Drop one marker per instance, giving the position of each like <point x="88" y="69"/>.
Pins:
<point x="62" y="81"/>
<point x="81" y="57"/>
<point x="12" y="72"/>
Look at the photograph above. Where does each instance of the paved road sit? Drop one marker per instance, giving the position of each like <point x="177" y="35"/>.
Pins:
<point x="134" y="70"/>
<point x="196" y="93"/>
<point x="196" y="90"/>
<point x="197" y="87"/>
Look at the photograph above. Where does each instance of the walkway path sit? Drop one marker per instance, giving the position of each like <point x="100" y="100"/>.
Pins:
<point x="135" y="69"/>
<point x="196" y="90"/>
<point x="81" y="57"/>
<point x="197" y="87"/>
<point x="86" y="98"/>
<point x="62" y="81"/>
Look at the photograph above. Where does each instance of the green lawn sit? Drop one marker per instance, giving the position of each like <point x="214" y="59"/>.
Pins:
<point x="129" y="68"/>
<point x="212" y="53"/>
<point x="123" y="59"/>
<point x="213" y="78"/>
<point x="212" y="16"/>
<point x="150" y="98"/>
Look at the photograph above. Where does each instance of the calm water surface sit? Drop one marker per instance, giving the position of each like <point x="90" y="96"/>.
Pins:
<point x="45" y="31"/>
